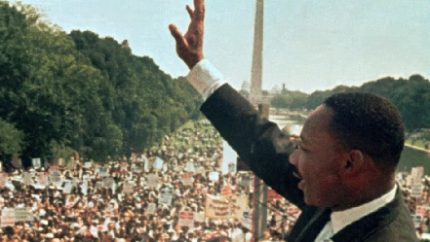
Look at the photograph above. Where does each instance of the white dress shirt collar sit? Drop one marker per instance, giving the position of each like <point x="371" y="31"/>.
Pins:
<point x="341" y="219"/>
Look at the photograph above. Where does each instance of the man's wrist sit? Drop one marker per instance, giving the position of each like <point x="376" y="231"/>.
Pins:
<point x="192" y="62"/>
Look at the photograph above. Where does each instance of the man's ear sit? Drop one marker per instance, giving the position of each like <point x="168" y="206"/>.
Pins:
<point x="354" y="163"/>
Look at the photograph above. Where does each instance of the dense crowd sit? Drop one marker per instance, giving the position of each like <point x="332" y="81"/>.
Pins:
<point x="161" y="195"/>
<point x="416" y="190"/>
<point x="135" y="199"/>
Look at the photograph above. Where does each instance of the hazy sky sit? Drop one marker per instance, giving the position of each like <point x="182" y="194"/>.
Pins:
<point x="308" y="44"/>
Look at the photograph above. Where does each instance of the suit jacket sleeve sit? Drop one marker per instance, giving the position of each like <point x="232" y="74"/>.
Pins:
<point x="259" y="142"/>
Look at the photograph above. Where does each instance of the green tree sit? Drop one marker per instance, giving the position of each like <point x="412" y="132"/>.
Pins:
<point x="11" y="140"/>
<point x="79" y="92"/>
<point x="411" y="96"/>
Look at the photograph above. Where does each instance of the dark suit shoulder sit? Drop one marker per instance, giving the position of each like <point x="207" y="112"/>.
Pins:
<point x="392" y="222"/>
<point x="400" y="229"/>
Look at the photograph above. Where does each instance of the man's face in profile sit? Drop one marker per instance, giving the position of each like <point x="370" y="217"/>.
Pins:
<point x="319" y="159"/>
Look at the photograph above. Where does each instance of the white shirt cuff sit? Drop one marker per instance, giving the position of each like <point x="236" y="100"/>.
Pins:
<point x="205" y="78"/>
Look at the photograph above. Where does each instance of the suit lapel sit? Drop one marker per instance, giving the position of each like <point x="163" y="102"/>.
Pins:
<point x="309" y="226"/>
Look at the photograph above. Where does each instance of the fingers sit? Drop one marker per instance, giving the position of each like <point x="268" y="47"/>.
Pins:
<point x="180" y="40"/>
<point x="199" y="9"/>
<point x="189" y="47"/>
<point x="190" y="11"/>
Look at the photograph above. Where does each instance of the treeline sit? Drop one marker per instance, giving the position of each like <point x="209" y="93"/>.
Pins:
<point x="63" y="93"/>
<point x="411" y="96"/>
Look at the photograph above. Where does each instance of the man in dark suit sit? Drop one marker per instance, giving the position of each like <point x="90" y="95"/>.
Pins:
<point x="340" y="172"/>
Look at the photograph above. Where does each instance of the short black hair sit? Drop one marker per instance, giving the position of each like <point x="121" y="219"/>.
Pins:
<point x="369" y="123"/>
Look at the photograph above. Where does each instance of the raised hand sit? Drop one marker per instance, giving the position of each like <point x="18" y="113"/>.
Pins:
<point x="190" y="46"/>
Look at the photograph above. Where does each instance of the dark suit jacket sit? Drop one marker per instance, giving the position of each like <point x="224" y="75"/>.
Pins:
<point x="265" y="149"/>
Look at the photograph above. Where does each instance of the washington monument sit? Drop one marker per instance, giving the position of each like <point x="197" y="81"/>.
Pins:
<point x="257" y="55"/>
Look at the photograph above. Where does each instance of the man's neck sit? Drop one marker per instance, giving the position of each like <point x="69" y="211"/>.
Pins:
<point x="362" y="196"/>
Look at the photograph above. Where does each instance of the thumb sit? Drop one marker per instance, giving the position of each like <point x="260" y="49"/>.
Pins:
<point x="179" y="38"/>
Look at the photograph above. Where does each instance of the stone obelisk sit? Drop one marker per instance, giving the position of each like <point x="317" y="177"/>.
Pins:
<point x="256" y="98"/>
<point x="257" y="55"/>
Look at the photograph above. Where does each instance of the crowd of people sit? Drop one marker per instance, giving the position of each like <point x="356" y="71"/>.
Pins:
<point x="136" y="199"/>
<point x="162" y="195"/>
<point x="416" y="190"/>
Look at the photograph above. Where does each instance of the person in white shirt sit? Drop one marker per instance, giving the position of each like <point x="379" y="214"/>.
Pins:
<point x="340" y="172"/>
